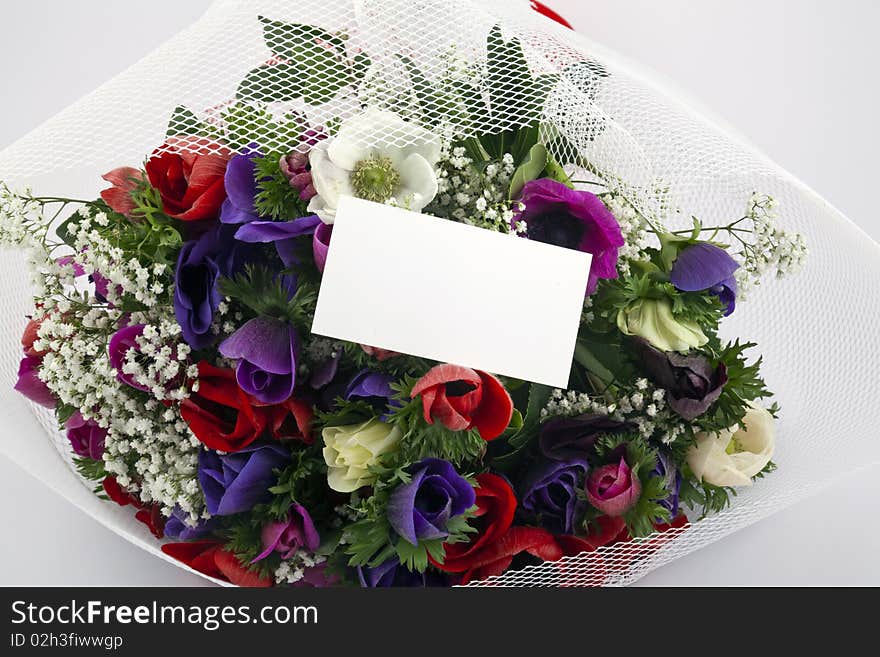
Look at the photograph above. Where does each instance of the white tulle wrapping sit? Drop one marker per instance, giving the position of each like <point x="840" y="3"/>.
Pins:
<point x="818" y="331"/>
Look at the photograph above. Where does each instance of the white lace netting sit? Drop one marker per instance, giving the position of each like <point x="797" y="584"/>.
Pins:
<point x="818" y="331"/>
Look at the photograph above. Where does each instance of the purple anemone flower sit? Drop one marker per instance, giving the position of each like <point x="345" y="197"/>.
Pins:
<point x="550" y="491"/>
<point x="85" y="436"/>
<point x="392" y="573"/>
<point x="567" y="438"/>
<point x="574" y="219"/>
<point x="373" y="388"/>
<point x="420" y="509"/>
<point x="29" y="383"/>
<point x="124" y="340"/>
<point x="266" y="350"/>
<point x="321" y="244"/>
<point x="282" y="233"/>
<point x="241" y="188"/>
<point x="704" y="266"/>
<point x="666" y="469"/>
<point x="288" y="536"/>
<point x="233" y="483"/>
<point x="177" y="527"/>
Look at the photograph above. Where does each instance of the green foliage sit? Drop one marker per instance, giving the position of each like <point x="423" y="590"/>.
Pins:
<point x="275" y="198"/>
<point x="90" y="469"/>
<point x="184" y="121"/>
<point x="302" y="481"/>
<point x="345" y="412"/>
<point x="248" y="123"/>
<point x="744" y="384"/>
<point x="315" y="67"/>
<point x="244" y="540"/>
<point x="262" y="290"/>
<point x="531" y="168"/>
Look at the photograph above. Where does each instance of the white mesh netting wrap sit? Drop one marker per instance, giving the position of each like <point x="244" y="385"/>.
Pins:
<point x="817" y="331"/>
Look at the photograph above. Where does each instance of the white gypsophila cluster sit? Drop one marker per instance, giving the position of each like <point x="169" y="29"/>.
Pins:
<point x="126" y="276"/>
<point x="161" y="361"/>
<point x="472" y="196"/>
<point x="644" y="407"/>
<point x="771" y="248"/>
<point x="19" y="216"/>
<point x="292" y="570"/>
<point x="633" y="227"/>
<point x="148" y="448"/>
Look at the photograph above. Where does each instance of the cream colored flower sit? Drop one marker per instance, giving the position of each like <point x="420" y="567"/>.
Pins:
<point x="349" y="451"/>
<point x="733" y="456"/>
<point x="653" y="320"/>
<point x="376" y="156"/>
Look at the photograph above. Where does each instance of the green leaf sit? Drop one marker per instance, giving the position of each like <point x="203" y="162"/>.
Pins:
<point x="530" y="169"/>
<point x="539" y="395"/>
<point x="432" y="102"/>
<point x="298" y="42"/>
<point x="554" y="171"/>
<point x="584" y="356"/>
<point x="183" y="121"/>
<point x="267" y="84"/>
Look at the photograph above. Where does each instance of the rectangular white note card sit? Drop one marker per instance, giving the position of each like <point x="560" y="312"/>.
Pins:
<point x="449" y="292"/>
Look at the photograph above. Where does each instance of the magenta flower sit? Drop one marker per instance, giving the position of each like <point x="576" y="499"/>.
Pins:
<point x="85" y="436"/>
<point x="290" y="535"/>
<point x="124" y="340"/>
<point x="574" y="219"/>
<point x="613" y="489"/>
<point x="266" y="351"/>
<point x="29" y="383"/>
<point x="296" y="169"/>
<point x="321" y="244"/>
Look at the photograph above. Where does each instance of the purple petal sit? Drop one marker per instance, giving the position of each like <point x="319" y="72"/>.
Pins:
<point x="274" y="231"/>
<point x="702" y="266"/>
<point x="401" y="505"/>
<point x="241" y="183"/>
<point x="270" y="536"/>
<point x="321" y="245"/>
<point x="263" y="341"/>
<point x="30" y="385"/>
<point x="312" y="539"/>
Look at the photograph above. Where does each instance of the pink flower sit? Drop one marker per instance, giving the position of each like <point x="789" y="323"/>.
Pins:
<point x="288" y="536"/>
<point x="85" y="436"/>
<point x="378" y="353"/>
<point x="613" y="489"/>
<point x="125" y="180"/>
<point x="296" y="169"/>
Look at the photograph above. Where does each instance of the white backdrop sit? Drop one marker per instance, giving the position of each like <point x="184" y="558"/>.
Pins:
<point x="797" y="78"/>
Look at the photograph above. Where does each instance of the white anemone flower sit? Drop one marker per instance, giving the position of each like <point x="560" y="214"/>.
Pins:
<point x="733" y="456"/>
<point x="376" y="156"/>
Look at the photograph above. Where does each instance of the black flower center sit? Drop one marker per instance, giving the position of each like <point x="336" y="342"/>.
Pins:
<point x="558" y="228"/>
<point x="459" y="388"/>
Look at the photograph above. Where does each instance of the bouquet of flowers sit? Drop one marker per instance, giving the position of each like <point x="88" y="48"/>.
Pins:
<point x="170" y="332"/>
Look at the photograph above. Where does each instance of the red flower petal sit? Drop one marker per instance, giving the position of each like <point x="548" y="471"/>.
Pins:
<point x="493" y="414"/>
<point x="302" y="415"/>
<point x="198" y="555"/>
<point x="237" y="573"/>
<point x="119" y="495"/>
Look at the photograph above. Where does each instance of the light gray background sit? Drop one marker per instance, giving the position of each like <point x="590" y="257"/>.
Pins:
<point x="799" y="78"/>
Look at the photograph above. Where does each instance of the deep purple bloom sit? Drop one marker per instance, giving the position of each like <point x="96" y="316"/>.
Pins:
<point x="290" y="535"/>
<point x="120" y="344"/>
<point x="567" y="438"/>
<point x="666" y="469"/>
<point x="326" y="371"/>
<point x="177" y="528"/>
<point x="704" y="266"/>
<point x="200" y="265"/>
<point x="85" y="436"/>
<point x="392" y="573"/>
<point x="29" y="383"/>
<point x="321" y="244"/>
<point x="282" y="233"/>
<point x="241" y="188"/>
<point x="421" y="509"/>
<point x="692" y="385"/>
<point x="574" y="219"/>
<point x="550" y="492"/>
<point x="266" y="350"/>
<point x="373" y="388"/>
<point x="233" y="483"/>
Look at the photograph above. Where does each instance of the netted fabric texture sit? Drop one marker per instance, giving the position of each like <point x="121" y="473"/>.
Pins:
<point x="818" y="331"/>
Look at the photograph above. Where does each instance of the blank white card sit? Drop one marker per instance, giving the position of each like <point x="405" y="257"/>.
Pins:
<point x="449" y="292"/>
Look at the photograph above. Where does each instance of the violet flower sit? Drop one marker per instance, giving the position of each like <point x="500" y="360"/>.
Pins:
<point x="421" y="509"/>
<point x="29" y="383"/>
<point x="321" y="244"/>
<point x="281" y="233"/>
<point x="566" y="438"/>
<point x="574" y="219"/>
<point x="550" y="493"/>
<point x="266" y="350"/>
<point x="373" y="388"/>
<point x="85" y="436"/>
<point x="124" y="340"/>
<point x="666" y="469"/>
<point x="235" y="482"/>
<point x="288" y="536"/>
<point x="241" y="188"/>
<point x="692" y="385"/>
<point x="392" y="573"/>
<point x="177" y="527"/>
<point x="704" y="266"/>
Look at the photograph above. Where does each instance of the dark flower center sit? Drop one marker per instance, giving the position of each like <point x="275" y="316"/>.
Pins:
<point x="558" y="228"/>
<point x="431" y="500"/>
<point x="459" y="388"/>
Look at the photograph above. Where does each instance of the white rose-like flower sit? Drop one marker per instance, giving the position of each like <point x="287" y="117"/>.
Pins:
<point x="733" y="456"/>
<point x="360" y="162"/>
<point x="350" y="450"/>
